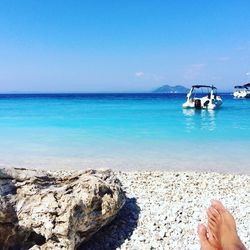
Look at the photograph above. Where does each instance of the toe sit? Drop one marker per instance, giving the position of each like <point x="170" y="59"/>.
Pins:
<point x="213" y="237"/>
<point x="202" y="231"/>
<point x="218" y="206"/>
<point x="212" y="224"/>
<point x="212" y="231"/>
<point x="211" y="215"/>
<point x="214" y="212"/>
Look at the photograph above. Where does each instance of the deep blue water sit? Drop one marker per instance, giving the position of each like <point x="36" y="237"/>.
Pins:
<point x="123" y="131"/>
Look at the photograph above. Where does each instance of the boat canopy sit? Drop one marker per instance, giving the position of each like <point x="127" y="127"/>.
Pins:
<point x="205" y="86"/>
<point x="247" y="85"/>
<point x="243" y="86"/>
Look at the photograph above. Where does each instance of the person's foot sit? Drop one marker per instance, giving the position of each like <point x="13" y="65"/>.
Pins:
<point x="222" y="233"/>
<point x="205" y="242"/>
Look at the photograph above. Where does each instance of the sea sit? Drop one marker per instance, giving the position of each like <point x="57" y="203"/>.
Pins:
<point x="123" y="132"/>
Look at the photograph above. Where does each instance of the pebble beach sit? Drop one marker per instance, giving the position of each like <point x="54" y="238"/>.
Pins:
<point x="163" y="209"/>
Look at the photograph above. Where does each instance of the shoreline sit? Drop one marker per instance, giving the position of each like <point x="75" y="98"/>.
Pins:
<point x="74" y="164"/>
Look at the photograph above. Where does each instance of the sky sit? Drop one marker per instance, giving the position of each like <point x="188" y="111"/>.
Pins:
<point x="122" y="46"/>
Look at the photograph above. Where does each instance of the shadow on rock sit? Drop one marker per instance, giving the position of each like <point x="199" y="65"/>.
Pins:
<point x="121" y="228"/>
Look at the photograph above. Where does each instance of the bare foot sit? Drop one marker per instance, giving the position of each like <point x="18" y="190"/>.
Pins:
<point x="213" y="227"/>
<point x="204" y="240"/>
<point x="222" y="228"/>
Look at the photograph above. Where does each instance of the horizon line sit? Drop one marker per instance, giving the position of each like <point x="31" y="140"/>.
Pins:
<point x="97" y="92"/>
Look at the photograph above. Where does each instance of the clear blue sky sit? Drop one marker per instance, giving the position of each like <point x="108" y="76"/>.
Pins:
<point x="115" y="45"/>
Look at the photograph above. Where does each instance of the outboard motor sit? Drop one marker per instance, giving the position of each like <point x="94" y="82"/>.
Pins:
<point x="197" y="103"/>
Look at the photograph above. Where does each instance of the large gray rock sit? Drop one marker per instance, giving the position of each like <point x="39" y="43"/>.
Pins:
<point x="55" y="210"/>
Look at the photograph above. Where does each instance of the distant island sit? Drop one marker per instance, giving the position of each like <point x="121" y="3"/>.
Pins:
<point x="171" y="89"/>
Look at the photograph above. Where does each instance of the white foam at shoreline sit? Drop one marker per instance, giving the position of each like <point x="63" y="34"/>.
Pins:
<point x="175" y="163"/>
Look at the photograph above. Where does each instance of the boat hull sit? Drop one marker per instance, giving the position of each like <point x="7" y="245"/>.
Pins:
<point x="215" y="105"/>
<point x="239" y="95"/>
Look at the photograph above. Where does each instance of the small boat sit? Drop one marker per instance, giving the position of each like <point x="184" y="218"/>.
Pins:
<point x="196" y="98"/>
<point x="242" y="91"/>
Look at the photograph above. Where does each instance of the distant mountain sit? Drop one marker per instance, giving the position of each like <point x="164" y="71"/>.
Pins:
<point x="171" y="89"/>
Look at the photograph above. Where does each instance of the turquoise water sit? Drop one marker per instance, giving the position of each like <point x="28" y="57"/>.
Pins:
<point x="123" y="131"/>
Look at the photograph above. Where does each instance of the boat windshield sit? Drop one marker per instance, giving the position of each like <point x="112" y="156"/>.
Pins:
<point x="202" y="91"/>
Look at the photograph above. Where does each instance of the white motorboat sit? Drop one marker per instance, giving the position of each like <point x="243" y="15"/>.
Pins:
<point x="242" y="91"/>
<point x="202" y="97"/>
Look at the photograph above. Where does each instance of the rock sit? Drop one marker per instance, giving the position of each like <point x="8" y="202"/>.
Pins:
<point x="52" y="210"/>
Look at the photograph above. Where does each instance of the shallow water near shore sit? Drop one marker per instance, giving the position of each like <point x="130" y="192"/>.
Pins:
<point x="123" y="131"/>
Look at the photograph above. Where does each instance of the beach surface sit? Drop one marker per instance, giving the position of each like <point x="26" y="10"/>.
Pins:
<point x="164" y="209"/>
